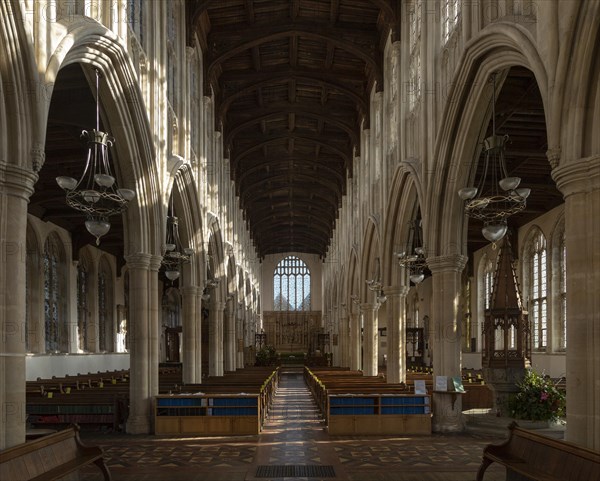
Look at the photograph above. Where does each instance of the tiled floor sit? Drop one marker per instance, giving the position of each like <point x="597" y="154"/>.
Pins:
<point x="294" y="436"/>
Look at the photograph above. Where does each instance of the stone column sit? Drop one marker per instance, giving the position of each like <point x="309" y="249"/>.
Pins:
<point x="579" y="182"/>
<point x="16" y="186"/>
<point x="229" y="335"/>
<point x="370" y="339"/>
<point x="239" y="337"/>
<point x="143" y="342"/>
<point x="396" y="333"/>
<point x="191" y="333"/>
<point x="344" y="337"/>
<point x="355" y="339"/>
<point x="446" y="327"/>
<point x="335" y="331"/>
<point x="215" y="339"/>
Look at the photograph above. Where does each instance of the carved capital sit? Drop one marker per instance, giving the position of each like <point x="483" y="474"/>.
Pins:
<point x="553" y="157"/>
<point x="579" y="176"/>
<point x="452" y="262"/>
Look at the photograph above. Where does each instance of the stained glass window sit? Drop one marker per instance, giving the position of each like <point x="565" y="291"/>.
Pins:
<point x="82" y="304"/>
<point x="563" y="292"/>
<point x="291" y="285"/>
<point x="538" y="290"/>
<point x="53" y="315"/>
<point x="450" y="16"/>
<point x="414" y="66"/>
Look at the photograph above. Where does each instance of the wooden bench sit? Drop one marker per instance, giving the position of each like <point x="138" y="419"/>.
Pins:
<point x="538" y="457"/>
<point x="50" y="457"/>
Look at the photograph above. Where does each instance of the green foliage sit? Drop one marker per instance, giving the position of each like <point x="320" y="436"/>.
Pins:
<point x="267" y="356"/>
<point x="538" y="399"/>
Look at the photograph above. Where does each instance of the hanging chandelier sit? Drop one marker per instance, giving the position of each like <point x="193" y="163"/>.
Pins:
<point x="173" y="253"/>
<point x="96" y="193"/>
<point x="503" y="196"/>
<point x="413" y="258"/>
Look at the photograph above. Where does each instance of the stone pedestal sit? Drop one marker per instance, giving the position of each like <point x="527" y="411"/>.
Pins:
<point x="503" y="384"/>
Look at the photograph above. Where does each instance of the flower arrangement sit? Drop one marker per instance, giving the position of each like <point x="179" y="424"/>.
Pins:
<point x="538" y="399"/>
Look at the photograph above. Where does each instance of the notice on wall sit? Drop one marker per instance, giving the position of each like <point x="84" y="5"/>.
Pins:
<point x="441" y="383"/>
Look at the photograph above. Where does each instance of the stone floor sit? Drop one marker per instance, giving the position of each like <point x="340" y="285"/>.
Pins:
<point x="294" y="446"/>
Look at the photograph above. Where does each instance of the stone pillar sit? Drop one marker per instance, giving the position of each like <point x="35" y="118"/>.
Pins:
<point x="344" y="337"/>
<point x="192" y="335"/>
<point x="215" y="339"/>
<point x="139" y="344"/>
<point x="355" y="339"/>
<point x="579" y="182"/>
<point x="16" y="186"/>
<point x="239" y="337"/>
<point x="446" y="326"/>
<point x="335" y="331"/>
<point x="229" y="336"/>
<point x="370" y="339"/>
<point x="396" y="334"/>
<point x="155" y="296"/>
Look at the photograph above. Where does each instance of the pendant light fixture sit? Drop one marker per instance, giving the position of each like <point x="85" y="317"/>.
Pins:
<point x="96" y="193"/>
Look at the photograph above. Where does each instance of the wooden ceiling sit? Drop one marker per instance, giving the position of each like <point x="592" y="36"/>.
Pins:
<point x="292" y="81"/>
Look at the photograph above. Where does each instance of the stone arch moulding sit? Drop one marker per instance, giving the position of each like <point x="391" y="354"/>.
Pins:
<point x="93" y="45"/>
<point x="190" y="224"/>
<point x="575" y="100"/>
<point x="497" y="48"/>
<point x="216" y="250"/>
<point x="370" y="252"/>
<point x="19" y="102"/>
<point x="405" y="192"/>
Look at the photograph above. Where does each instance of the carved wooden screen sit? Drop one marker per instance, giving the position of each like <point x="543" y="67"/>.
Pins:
<point x="292" y="331"/>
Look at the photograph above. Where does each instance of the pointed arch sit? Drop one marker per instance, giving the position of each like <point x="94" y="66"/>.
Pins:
<point x="496" y="48"/>
<point x="94" y="45"/>
<point x="370" y="264"/>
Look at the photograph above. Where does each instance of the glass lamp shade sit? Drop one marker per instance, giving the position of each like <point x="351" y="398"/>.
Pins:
<point x="66" y="183"/>
<point x="127" y="194"/>
<point x="104" y="180"/>
<point x="188" y="251"/>
<point x="523" y="192"/>
<point x="467" y="193"/>
<point x="419" y="251"/>
<point x="172" y="275"/>
<point x="91" y="196"/>
<point x="494" y="232"/>
<point x="509" y="183"/>
<point x="169" y="247"/>
<point x="97" y="228"/>
<point x="417" y="278"/>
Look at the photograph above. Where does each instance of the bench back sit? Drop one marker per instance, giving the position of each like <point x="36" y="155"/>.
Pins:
<point x="33" y="458"/>
<point x="557" y="458"/>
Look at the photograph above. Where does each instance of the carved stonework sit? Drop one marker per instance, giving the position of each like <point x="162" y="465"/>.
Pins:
<point x="553" y="157"/>
<point x="38" y="157"/>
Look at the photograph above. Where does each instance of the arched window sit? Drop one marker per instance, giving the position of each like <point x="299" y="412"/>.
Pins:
<point x="83" y="311"/>
<point x="32" y="293"/>
<point x="488" y="283"/>
<point x="54" y="316"/>
<point x="562" y="273"/>
<point x="538" y="290"/>
<point x="450" y="16"/>
<point x="291" y="285"/>
<point x="105" y="307"/>
<point x="414" y="65"/>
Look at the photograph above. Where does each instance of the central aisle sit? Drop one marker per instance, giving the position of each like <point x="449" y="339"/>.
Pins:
<point x="293" y="442"/>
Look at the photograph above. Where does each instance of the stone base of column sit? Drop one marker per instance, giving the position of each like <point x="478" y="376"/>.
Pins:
<point x="139" y="425"/>
<point x="447" y="413"/>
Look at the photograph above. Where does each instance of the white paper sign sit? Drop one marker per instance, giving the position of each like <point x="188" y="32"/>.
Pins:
<point x="441" y="383"/>
<point x="420" y="386"/>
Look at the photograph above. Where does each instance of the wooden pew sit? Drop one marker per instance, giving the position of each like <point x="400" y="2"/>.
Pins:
<point x="50" y="457"/>
<point x="539" y="457"/>
<point x="353" y="404"/>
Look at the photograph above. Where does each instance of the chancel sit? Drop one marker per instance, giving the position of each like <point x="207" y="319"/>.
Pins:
<point x="347" y="239"/>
